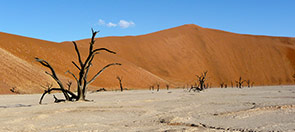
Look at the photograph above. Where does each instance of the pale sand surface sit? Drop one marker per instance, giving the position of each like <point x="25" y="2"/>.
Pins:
<point x="258" y="108"/>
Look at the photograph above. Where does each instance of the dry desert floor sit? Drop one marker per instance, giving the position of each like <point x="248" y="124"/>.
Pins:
<point x="216" y="109"/>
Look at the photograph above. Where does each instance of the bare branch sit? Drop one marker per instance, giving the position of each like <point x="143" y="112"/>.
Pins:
<point x="73" y="96"/>
<point x="53" y="75"/>
<point x="48" y="92"/>
<point x="69" y="85"/>
<point x="73" y="75"/>
<point x="96" y="50"/>
<point x="92" y="40"/>
<point x="76" y="65"/>
<point x="78" y="53"/>
<point x="97" y="74"/>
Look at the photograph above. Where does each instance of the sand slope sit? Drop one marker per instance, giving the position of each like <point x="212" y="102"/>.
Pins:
<point x="178" y="54"/>
<point x="173" y="56"/>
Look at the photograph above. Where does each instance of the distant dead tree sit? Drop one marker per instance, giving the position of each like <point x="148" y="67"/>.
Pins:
<point x="240" y="82"/>
<point x="232" y="84"/>
<point x="120" y="82"/>
<point x="201" y="79"/>
<point x="221" y="84"/>
<point x="158" y="87"/>
<point x="152" y="88"/>
<point x="167" y="86"/>
<point x="82" y="78"/>
<point x="225" y="85"/>
<point x="248" y="83"/>
<point x="14" y="90"/>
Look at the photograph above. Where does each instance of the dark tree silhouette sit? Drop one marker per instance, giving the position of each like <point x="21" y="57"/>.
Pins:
<point x="221" y="84"/>
<point x="167" y="86"/>
<point x="240" y="82"/>
<point x="201" y="79"/>
<point x="14" y="90"/>
<point x="248" y="83"/>
<point x="152" y="88"/>
<point x="158" y="87"/>
<point x="120" y="82"/>
<point x="82" y="79"/>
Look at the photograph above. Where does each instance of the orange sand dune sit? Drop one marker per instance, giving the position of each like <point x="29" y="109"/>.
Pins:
<point x="173" y="56"/>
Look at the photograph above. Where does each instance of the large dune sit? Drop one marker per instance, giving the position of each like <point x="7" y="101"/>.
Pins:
<point x="173" y="56"/>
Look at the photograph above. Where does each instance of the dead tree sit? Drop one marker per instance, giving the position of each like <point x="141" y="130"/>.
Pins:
<point x="221" y="84"/>
<point x="167" y="86"/>
<point x="240" y="82"/>
<point x="82" y="78"/>
<point x="201" y="79"/>
<point x="248" y="83"/>
<point x="152" y="88"/>
<point x="158" y="87"/>
<point x="120" y="82"/>
<point x="14" y="90"/>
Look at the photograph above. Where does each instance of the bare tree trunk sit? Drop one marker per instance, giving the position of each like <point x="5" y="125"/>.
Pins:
<point x="167" y="86"/>
<point x="158" y="87"/>
<point x="120" y="82"/>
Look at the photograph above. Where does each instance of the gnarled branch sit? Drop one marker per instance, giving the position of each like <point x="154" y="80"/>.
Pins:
<point x="53" y="75"/>
<point x="73" y="96"/>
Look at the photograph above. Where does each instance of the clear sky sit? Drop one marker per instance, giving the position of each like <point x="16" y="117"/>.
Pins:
<point x="67" y="20"/>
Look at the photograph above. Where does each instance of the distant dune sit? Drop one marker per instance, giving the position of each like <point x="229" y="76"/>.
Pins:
<point x="173" y="56"/>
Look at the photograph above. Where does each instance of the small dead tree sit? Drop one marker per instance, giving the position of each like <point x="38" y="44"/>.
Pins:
<point x="152" y="88"/>
<point x="14" y="90"/>
<point x="221" y="84"/>
<point x="167" y="86"/>
<point x="158" y="87"/>
<point x="248" y="83"/>
<point x="201" y="79"/>
<point x="240" y="82"/>
<point x="120" y="82"/>
<point x="83" y="67"/>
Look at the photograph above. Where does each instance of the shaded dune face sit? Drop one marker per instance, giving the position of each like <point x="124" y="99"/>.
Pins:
<point x="173" y="56"/>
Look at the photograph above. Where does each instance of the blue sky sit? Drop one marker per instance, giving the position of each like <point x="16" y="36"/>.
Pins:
<point x="67" y="20"/>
